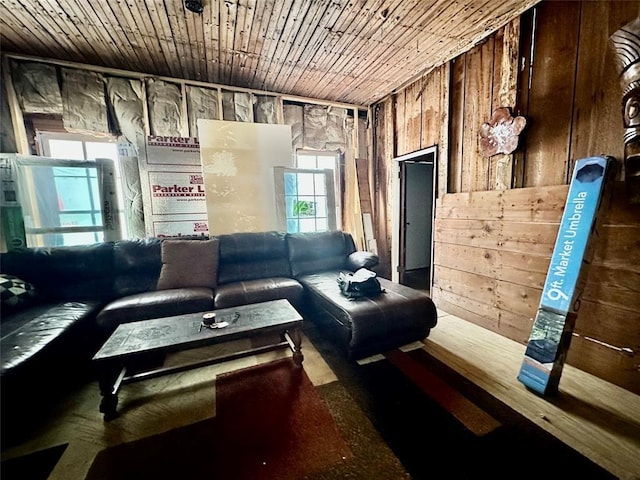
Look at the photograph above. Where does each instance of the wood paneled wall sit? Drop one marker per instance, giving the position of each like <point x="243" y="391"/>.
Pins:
<point x="493" y="240"/>
<point x="492" y="251"/>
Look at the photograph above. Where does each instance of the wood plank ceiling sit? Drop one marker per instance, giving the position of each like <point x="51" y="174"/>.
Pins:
<point x="351" y="51"/>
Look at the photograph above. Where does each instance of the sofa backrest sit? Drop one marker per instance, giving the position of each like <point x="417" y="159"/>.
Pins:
<point x="73" y="272"/>
<point x="137" y="265"/>
<point x="108" y="270"/>
<point x="250" y="256"/>
<point x="318" y="251"/>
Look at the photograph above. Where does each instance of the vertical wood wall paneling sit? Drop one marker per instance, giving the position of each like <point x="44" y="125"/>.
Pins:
<point x="492" y="255"/>
<point x="598" y="94"/>
<point x="551" y="94"/>
<point x="477" y="110"/>
<point x="413" y="117"/>
<point x="456" y="145"/>
<point x="382" y="154"/>
<point x="400" y="123"/>
<point x="610" y="311"/>
<point x="430" y="94"/>
<point x="522" y="101"/>
<point x="504" y="95"/>
<point x="442" y="171"/>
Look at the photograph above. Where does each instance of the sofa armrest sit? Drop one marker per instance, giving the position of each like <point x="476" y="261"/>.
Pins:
<point x="362" y="259"/>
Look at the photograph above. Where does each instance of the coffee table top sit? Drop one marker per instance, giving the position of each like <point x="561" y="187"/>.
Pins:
<point x="182" y="332"/>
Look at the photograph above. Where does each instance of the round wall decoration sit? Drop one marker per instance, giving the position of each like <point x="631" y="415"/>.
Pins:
<point x="500" y="135"/>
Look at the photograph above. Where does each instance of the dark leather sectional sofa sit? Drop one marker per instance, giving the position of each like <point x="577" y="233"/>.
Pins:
<point x="84" y="292"/>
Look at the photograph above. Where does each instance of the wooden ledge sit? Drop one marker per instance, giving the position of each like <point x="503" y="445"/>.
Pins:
<point x="594" y="417"/>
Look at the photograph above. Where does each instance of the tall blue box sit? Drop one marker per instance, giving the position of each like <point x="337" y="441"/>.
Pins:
<point x="553" y="326"/>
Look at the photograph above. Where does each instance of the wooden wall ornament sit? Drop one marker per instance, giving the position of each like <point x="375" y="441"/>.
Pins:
<point x="500" y="134"/>
<point x="626" y="46"/>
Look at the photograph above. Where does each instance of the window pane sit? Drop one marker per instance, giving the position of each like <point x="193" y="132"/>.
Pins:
<point x="307" y="224"/>
<point x="290" y="184"/>
<point x="304" y="207"/>
<point x="307" y="161"/>
<point x="327" y="162"/>
<point x="64" y="239"/>
<point x="321" y="206"/>
<point x="290" y="205"/>
<point x="95" y="192"/>
<point x="306" y="184"/>
<point x="292" y="226"/>
<point x="321" y="225"/>
<point x="101" y="150"/>
<point x="71" y="149"/>
<point x="73" y="193"/>
<point x="82" y="238"/>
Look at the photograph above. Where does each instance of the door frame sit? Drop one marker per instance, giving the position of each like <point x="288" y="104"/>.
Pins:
<point x="397" y="210"/>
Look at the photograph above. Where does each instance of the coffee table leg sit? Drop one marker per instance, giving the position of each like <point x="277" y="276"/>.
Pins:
<point x="109" y="382"/>
<point x="294" y="339"/>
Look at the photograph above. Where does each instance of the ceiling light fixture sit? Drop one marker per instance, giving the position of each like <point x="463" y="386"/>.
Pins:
<point x="194" y="5"/>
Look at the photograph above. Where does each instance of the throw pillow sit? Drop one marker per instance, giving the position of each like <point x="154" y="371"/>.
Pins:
<point x="15" y="292"/>
<point x="188" y="263"/>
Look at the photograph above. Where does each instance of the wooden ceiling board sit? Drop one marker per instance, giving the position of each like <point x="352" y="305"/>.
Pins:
<point x="347" y="51"/>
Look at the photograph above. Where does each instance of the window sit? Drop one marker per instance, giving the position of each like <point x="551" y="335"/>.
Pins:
<point x="64" y="206"/>
<point x="306" y="195"/>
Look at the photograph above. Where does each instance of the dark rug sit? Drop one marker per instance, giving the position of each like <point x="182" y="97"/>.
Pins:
<point x="430" y="441"/>
<point x="35" y="466"/>
<point x="270" y="423"/>
<point x="405" y="416"/>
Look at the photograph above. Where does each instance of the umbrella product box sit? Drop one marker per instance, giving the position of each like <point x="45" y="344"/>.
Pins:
<point x="553" y="326"/>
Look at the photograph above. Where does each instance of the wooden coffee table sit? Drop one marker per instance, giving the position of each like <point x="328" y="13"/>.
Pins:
<point x="134" y="342"/>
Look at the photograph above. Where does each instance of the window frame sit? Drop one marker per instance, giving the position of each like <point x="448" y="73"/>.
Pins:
<point x="337" y="175"/>
<point x="281" y="204"/>
<point x="45" y="158"/>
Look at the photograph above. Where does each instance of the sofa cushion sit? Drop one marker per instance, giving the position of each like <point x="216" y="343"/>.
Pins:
<point x="137" y="265"/>
<point x="318" y="251"/>
<point x="188" y="263"/>
<point x="39" y="328"/>
<point x="252" y="255"/>
<point x="154" y="304"/>
<point x="261" y="290"/>
<point x="361" y="259"/>
<point x="15" y="293"/>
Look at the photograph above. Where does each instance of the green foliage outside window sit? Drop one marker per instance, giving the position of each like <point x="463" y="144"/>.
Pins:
<point x="304" y="208"/>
